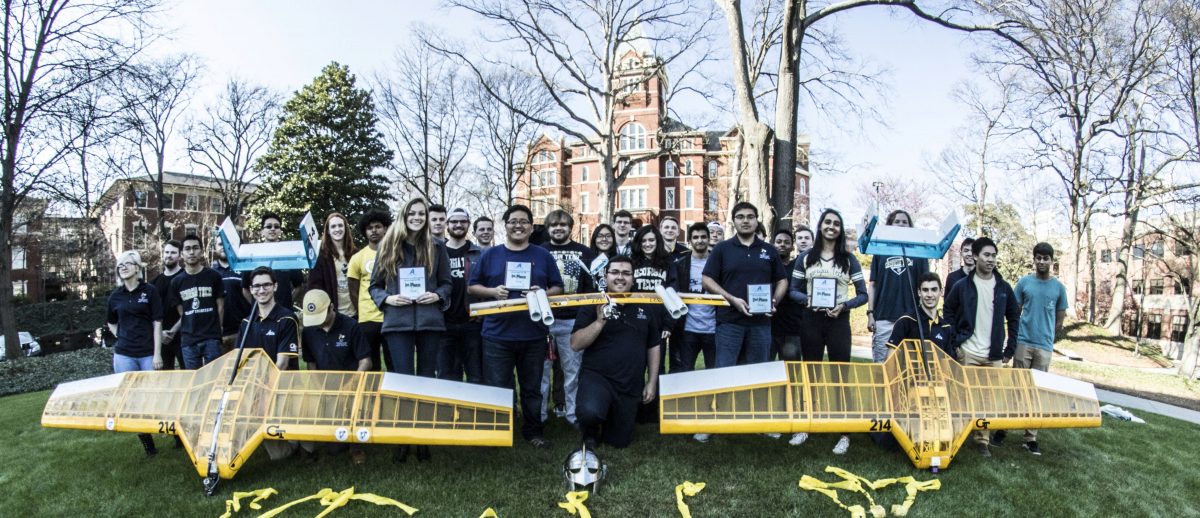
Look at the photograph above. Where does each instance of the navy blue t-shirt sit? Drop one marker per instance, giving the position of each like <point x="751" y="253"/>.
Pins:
<point x="490" y="273"/>
<point x="895" y="279"/>
<point x="198" y="295"/>
<point x="134" y="313"/>
<point x="735" y="266"/>
<point x="275" y="334"/>
<point x="619" y="352"/>
<point x="338" y="349"/>
<point x="788" y="314"/>
<point x="236" y="305"/>
<point x="572" y="259"/>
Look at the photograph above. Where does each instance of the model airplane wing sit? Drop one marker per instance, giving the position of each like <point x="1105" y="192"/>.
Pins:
<point x="280" y="255"/>
<point x="265" y="403"/>
<point x="927" y="243"/>
<point x="926" y="399"/>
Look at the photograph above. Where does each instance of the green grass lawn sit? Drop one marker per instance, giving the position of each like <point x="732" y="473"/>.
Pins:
<point x="1121" y="469"/>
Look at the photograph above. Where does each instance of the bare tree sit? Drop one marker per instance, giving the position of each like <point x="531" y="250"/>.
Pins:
<point x="581" y="51"/>
<point x="890" y="193"/>
<point x="51" y="49"/>
<point x="1076" y="67"/>
<point x="156" y="95"/>
<point x="424" y="114"/>
<point x="228" y="138"/>
<point x="505" y="133"/>
<point x="1178" y="222"/>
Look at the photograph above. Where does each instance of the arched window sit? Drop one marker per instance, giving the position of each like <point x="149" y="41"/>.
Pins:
<point x="633" y="137"/>
<point x="670" y="169"/>
<point x="712" y="169"/>
<point x="687" y="167"/>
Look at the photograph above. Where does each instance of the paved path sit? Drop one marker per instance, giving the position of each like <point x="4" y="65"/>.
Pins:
<point x="1131" y="403"/>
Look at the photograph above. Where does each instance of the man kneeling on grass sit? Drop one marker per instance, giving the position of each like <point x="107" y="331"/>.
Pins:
<point x="620" y="347"/>
<point x="334" y="342"/>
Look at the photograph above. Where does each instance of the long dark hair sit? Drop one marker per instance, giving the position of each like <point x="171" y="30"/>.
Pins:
<point x="612" y="250"/>
<point x="391" y="249"/>
<point x="841" y="258"/>
<point x="328" y="248"/>
<point x="660" y="259"/>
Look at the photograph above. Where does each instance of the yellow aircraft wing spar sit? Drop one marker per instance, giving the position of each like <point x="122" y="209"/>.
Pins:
<point x="264" y="403"/>
<point x="927" y="400"/>
<point x="592" y="299"/>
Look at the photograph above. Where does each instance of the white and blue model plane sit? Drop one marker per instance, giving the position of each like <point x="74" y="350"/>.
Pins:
<point x="875" y="238"/>
<point x="280" y="255"/>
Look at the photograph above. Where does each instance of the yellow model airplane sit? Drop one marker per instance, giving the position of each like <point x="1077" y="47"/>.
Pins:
<point x="927" y="400"/>
<point x="540" y="306"/>
<point x="222" y="422"/>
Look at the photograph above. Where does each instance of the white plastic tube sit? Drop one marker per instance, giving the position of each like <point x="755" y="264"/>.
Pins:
<point x="671" y="301"/>
<point x="544" y="305"/>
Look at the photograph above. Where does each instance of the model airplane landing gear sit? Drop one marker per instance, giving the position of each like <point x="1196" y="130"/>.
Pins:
<point x="210" y="484"/>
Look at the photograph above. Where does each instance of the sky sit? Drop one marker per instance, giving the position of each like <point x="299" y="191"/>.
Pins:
<point x="284" y="44"/>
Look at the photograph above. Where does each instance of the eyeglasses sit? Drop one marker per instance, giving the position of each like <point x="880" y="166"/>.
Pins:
<point x="260" y="287"/>
<point x="272" y="227"/>
<point x="621" y="273"/>
<point x="518" y="222"/>
<point x="127" y="265"/>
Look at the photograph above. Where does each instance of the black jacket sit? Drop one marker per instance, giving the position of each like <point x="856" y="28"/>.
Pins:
<point x="414" y="317"/>
<point x="959" y="312"/>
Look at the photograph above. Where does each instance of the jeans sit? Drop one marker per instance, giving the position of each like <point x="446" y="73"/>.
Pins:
<point x="122" y="363"/>
<point x="691" y="345"/>
<point x="461" y="351"/>
<point x="879" y="346"/>
<point x="201" y="353"/>
<point x="731" y="339"/>
<point x="499" y="359"/>
<point x="569" y="360"/>
<point x="401" y="346"/>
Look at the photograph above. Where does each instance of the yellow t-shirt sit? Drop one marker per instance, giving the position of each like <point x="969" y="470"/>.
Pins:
<point x="361" y="266"/>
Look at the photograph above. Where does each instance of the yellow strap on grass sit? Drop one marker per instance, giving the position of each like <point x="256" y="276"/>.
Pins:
<point x="858" y="484"/>
<point x="489" y="513"/>
<point x="234" y="504"/>
<point x="686" y="489"/>
<point x="574" y="504"/>
<point x="332" y="500"/>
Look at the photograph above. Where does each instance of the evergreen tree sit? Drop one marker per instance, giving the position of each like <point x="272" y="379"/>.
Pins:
<point x="324" y="153"/>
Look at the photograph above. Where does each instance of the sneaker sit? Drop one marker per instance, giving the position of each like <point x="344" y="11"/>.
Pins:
<point x="539" y="442"/>
<point x="983" y="450"/>
<point x="772" y="435"/>
<point x="798" y="439"/>
<point x="1033" y="448"/>
<point x="998" y="438"/>
<point x="842" y="445"/>
<point x="701" y="437"/>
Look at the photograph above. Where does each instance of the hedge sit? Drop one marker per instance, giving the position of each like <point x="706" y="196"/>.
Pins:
<point x="46" y="372"/>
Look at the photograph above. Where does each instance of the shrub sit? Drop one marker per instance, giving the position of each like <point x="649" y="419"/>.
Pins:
<point x="45" y="372"/>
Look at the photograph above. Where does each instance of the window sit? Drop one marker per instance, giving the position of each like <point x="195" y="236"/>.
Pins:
<point x="712" y="200"/>
<point x="630" y="85"/>
<point x="548" y="177"/>
<point x="191" y="202"/>
<point x="20" y="288"/>
<point x="542" y="205"/>
<point x="1178" y="328"/>
<point x="191" y="229"/>
<point x="802" y="185"/>
<point x="583" y="202"/>
<point x="1182" y="249"/>
<point x="687" y="167"/>
<point x="633" y="137"/>
<point x="712" y="169"/>
<point x="688" y="195"/>
<point x="670" y="169"/>
<point x="1157" y="249"/>
<point x="1154" y="327"/>
<point x="139" y="199"/>
<point x="543" y="156"/>
<point x="1137" y="287"/>
<point x="1139" y="252"/>
<point x="1156" y="286"/>
<point x="140" y="234"/>
<point x="18" y="258"/>
<point x="633" y="197"/>
<point x="1183" y="286"/>
<point x="1106" y="256"/>
<point x="669" y="199"/>
<point x="584" y="235"/>
<point x="168" y="200"/>
<point x="583" y="176"/>
<point x="638" y="169"/>
<point x="216" y="205"/>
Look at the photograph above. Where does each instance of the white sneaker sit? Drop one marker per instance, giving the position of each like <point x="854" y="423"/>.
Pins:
<point x="701" y="437"/>
<point x="798" y="439"/>
<point x="842" y="445"/>
<point x="772" y="435"/>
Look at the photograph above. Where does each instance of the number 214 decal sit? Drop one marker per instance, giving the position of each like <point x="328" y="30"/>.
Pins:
<point x="881" y="425"/>
<point x="166" y="427"/>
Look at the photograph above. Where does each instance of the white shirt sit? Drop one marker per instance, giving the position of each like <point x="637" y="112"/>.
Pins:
<point x="980" y="343"/>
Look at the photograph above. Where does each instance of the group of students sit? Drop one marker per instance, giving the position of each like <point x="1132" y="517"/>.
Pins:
<point x="402" y="303"/>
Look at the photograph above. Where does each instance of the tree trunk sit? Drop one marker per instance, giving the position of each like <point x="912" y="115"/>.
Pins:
<point x="755" y="134"/>
<point x="1191" y="341"/>
<point x="1116" y="308"/>
<point x="1091" y="250"/>
<point x="783" y="181"/>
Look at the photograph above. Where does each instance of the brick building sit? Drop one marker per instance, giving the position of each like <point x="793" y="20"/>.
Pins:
<point x="688" y="174"/>
<point x="26" y="264"/>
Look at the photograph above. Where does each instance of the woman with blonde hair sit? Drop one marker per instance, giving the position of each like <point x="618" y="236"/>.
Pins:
<point x="135" y="314"/>
<point x="329" y="274"/>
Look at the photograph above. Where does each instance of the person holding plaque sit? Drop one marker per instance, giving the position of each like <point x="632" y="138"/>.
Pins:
<point x="514" y="340"/>
<point x="747" y="272"/>
<point x="411" y="285"/>
<point x="821" y="280"/>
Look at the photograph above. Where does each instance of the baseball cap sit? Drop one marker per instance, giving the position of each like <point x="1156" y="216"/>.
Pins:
<point x="459" y="212"/>
<point x="316" y="304"/>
